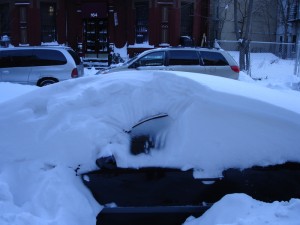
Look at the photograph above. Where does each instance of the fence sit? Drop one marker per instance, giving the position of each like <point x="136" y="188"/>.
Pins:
<point x="264" y="55"/>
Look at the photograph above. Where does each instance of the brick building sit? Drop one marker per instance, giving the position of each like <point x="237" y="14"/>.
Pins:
<point x="91" y="26"/>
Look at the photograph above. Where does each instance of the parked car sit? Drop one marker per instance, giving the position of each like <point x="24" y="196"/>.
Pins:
<point x="39" y="65"/>
<point x="197" y="60"/>
<point x="168" y="196"/>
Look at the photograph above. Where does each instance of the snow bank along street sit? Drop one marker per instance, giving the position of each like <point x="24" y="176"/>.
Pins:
<point x="47" y="133"/>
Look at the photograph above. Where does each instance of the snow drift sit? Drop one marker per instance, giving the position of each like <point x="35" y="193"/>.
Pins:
<point x="51" y="132"/>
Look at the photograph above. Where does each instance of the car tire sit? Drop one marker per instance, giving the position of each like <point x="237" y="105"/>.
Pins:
<point x="46" y="82"/>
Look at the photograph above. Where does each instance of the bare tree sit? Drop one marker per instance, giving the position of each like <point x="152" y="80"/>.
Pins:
<point x="242" y="26"/>
<point x="263" y="10"/>
<point x="222" y="13"/>
<point x="285" y="7"/>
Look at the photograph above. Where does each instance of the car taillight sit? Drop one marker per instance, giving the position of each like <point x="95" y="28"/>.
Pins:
<point x="74" y="73"/>
<point x="235" y="69"/>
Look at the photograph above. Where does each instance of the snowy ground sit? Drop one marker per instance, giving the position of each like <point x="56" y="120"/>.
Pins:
<point x="45" y="133"/>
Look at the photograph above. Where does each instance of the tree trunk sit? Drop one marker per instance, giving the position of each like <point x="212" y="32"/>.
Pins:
<point x="244" y="59"/>
<point x="236" y="29"/>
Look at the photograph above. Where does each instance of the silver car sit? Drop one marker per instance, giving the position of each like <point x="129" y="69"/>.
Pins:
<point x="39" y="65"/>
<point x="197" y="60"/>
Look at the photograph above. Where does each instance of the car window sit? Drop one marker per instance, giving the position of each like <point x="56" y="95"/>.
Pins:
<point x="213" y="59"/>
<point x="177" y="57"/>
<point x="46" y="57"/>
<point x="152" y="59"/>
<point x="5" y="59"/>
<point x="16" y="58"/>
<point x="74" y="56"/>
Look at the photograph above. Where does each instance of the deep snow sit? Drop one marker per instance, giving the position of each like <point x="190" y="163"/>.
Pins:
<point x="46" y="133"/>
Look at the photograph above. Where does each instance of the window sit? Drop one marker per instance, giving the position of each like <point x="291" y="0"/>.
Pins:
<point x="165" y="24"/>
<point x="152" y="59"/>
<point x="16" y="58"/>
<point x="48" y="22"/>
<point x="36" y="57"/>
<point x="5" y="59"/>
<point x="213" y="59"/>
<point x="48" y="58"/>
<point x="183" y="58"/>
<point x="23" y="14"/>
<point x="23" y="24"/>
<point x="4" y="19"/>
<point x="165" y="14"/>
<point x="141" y="9"/>
<point x="187" y="15"/>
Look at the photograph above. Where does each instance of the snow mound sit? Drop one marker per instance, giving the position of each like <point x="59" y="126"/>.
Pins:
<point x="240" y="209"/>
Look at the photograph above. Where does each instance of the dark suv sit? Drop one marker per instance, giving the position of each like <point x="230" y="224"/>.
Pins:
<point x="196" y="60"/>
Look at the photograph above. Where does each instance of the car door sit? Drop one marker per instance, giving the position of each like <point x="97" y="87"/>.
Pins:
<point x="185" y="60"/>
<point x="151" y="61"/>
<point x="15" y="66"/>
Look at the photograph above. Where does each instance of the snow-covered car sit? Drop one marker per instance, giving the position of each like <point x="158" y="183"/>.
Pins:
<point x="167" y="178"/>
<point x="197" y="60"/>
<point x="166" y="195"/>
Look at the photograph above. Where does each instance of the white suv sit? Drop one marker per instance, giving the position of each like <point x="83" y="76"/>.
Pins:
<point x="39" y="65"/>
<point x="197" y="60"/>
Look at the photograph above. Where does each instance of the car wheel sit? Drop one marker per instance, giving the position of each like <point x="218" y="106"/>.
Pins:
<point x="46" y="82"/>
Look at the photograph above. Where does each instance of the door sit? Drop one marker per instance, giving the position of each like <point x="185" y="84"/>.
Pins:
<point x="95" y="37"/>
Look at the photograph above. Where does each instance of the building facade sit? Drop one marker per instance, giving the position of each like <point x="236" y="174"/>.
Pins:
<point x="92" y="26"/>
<point x="263" y="21"/>
<point x="289" y="22"/>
